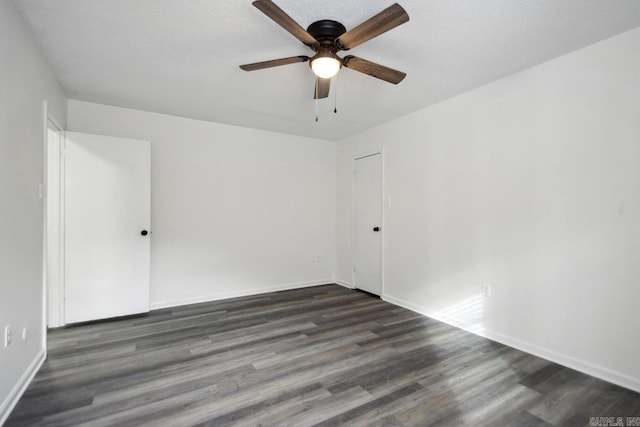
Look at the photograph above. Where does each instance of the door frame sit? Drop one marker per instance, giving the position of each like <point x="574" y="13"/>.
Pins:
<point x="53" y="158"/>
<point x="362" y="155"/>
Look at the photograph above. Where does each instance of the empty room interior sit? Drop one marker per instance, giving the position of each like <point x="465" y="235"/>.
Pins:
<point x="320" y="213"/>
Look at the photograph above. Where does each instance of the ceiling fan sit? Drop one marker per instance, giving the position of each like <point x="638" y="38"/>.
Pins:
<point x="326" y="37"/>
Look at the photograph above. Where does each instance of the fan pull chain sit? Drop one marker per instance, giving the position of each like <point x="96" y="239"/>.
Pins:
<point x="317" y="88"/>
<point x="335" y="94"/>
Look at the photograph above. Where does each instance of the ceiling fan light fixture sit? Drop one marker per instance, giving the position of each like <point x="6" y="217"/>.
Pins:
<point x="326" y="38"/>
<point x="325" y="65"/>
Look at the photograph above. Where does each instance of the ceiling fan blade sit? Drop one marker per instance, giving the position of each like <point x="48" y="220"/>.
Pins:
<point x="274" y="63"/>
<point x="384" y="21"/>
<point x="280" y="17"/>
<point x="321" y="88"/>
<point x="375" y="70"/>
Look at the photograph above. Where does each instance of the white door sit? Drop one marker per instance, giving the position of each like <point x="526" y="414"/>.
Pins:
<point x="107" y="218"/>
<point x="368" y="224"/>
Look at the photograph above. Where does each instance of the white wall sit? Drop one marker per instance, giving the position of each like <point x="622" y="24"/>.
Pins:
<point x="25" y="82"/>
<point x="234" y="211"/>
<point x="532" y="185"/>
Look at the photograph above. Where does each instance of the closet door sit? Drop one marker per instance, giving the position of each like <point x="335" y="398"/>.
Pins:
<point x="107" y="201"/>
<point x="367" y="207"/>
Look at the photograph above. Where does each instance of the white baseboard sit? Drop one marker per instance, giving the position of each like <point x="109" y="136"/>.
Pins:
<point x="21" y="386"/>
<point x="344" y="283"/>
<point x="597" y="371"/>
<point x="255" y="291"/>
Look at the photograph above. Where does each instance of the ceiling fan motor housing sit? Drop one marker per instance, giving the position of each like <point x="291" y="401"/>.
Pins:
<point x="326" y="32"/>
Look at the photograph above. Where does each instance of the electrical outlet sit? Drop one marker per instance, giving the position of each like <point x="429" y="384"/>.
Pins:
<point x="315" y="259"/>
<point x="7" y="336"/>
<point x="486" y="290"/>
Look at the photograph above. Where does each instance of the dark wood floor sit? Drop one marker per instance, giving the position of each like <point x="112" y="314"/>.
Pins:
<point x="324" y="355"/>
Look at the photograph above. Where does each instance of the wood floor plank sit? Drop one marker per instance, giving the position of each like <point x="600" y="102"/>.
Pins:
<point x="323" y="355"/>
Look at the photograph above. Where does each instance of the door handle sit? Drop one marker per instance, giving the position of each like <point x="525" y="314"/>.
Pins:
<point x="376" y="229"/>
<point x="144" y="232"/>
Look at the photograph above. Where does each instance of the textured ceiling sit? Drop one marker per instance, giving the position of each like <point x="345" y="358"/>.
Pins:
<point x="181" y="57"/>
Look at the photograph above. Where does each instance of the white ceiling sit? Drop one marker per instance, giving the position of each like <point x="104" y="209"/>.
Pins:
<point x="181" y="57"/>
